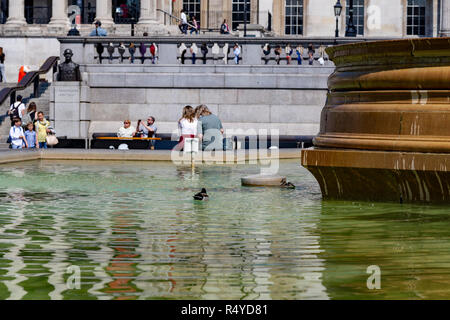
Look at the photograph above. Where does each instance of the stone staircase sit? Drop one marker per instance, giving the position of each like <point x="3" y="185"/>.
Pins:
<point x="42" y="103"/>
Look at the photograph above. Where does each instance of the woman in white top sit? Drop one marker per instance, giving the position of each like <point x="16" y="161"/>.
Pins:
<point x="127" y="131"/>
<point x="187" y="126"/>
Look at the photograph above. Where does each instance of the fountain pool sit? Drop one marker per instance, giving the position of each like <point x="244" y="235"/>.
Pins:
<point x="133" y="231"/>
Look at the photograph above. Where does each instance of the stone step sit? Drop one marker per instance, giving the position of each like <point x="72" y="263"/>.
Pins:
<point x="42" y="103"/>
<point x="4" y="128"/>
<point x="4" y="146"/>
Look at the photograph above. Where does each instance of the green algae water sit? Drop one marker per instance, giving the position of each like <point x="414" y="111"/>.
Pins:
<point x="134" y="232"/>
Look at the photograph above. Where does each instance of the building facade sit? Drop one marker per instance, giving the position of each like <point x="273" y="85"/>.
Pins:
<point x="297" y="18"/>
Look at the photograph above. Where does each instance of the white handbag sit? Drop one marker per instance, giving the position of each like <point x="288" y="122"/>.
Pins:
<point x="52" y="140"/>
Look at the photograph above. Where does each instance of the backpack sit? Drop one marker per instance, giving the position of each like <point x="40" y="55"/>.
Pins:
<point x="15" y="112"/>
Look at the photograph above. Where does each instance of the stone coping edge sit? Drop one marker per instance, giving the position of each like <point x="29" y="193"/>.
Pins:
<point x="236" y="156"/>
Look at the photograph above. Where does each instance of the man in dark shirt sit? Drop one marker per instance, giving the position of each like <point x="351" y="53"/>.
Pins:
<point x="2" y="66"/>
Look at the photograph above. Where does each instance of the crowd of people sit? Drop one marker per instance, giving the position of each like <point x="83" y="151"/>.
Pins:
<point x="289" y="53"/>
<point x="194" y="123"/>
<point x="29" y="128"/>
<point x="191" y="23"/>
<point x="194" y="26"/>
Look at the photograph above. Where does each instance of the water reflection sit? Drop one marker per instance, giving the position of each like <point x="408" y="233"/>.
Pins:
<point x="408" y="242"/>
<point x="136" y="233"/>
<point x="122" y="267"/>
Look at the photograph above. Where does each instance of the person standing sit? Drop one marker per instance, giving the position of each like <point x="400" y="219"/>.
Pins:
<point x="277" y="52"/>
<point x="2" y="66"/>
<point x="266" y="52"/>
<point x="288" y="50"/>
<point x="132" y="51"/>
<point x="299" y="52"/>
<point x="30" y="136"/>
<point x="311" y="52"/>
<point x="210" y="129"/>
<point x="183" y="23"/>
<point x="153" y="51"/>
<point x="110" y="48"/>
<point x="98" y="31"/>
<point x="17" y="110"/>
<point x="31" y="113"/>
<point x="121" y="50"/>
<point x="187" y="126"/>
<point x="143" y="48"/>
<point x="42" y="130"/>
<point x="17" y="135"/>
<point x="237" y="52"/>
<point x="204" y="50"/>
<point x="194" y="50"/>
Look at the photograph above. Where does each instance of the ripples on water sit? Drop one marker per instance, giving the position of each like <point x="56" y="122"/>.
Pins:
<point x="135" y="232"/>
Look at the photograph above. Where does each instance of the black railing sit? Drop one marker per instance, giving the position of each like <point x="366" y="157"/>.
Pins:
<point x="38" y="15"/>
<point x="31" y="78"/>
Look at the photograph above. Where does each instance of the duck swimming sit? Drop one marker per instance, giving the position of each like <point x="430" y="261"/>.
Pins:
<point x="287" y="185"/>
<point x="201" y="196"/>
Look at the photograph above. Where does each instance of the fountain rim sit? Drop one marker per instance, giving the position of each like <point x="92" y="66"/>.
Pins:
<point x="415" y="47"/>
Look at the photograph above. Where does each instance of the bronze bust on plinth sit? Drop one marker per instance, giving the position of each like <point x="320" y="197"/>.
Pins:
<point x="69" y="70"/>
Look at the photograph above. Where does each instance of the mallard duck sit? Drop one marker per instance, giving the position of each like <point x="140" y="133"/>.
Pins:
<point x="287" y="185"/>
<point x="201" y="196"/>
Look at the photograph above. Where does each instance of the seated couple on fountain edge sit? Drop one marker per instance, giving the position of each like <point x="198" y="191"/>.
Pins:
<point x="194" y="123"/>
<point x="143" y="129"/>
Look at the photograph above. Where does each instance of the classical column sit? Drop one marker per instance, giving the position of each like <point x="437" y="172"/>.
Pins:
<point x="59" y="15"/>
<point x="445" y="18"/>
<point x="148" y="12"/>
<point x="104" y="12"/>
<point x="16" y="13"/>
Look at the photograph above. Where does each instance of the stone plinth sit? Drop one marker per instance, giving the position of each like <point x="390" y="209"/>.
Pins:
<point x="67" y="111"/>
<point x="384" y="131"/>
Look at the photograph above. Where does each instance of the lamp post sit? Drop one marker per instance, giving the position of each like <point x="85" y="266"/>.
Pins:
<point x="245" y="18"/>
<point x="351" y="29"/>
<point x="337" y="13"/>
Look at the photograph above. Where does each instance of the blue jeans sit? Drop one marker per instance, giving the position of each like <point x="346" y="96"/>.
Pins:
<point x="183" y="28"/>
<point x="43" y="145"/>
<point x="2" y="72"/>
<point x="13" y="146"/>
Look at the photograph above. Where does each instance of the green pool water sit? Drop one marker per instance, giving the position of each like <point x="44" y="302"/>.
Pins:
<point x="134" y="232"/>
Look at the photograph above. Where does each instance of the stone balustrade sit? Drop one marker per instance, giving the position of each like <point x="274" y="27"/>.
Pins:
<point x="177" y="50"/>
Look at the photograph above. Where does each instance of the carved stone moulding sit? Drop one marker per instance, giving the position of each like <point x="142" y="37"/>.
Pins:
<point x="385" y="133"/>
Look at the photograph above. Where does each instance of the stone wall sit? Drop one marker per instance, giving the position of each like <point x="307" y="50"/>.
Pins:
<point x="27" y="51"/>
<point x="264" y="97"/>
